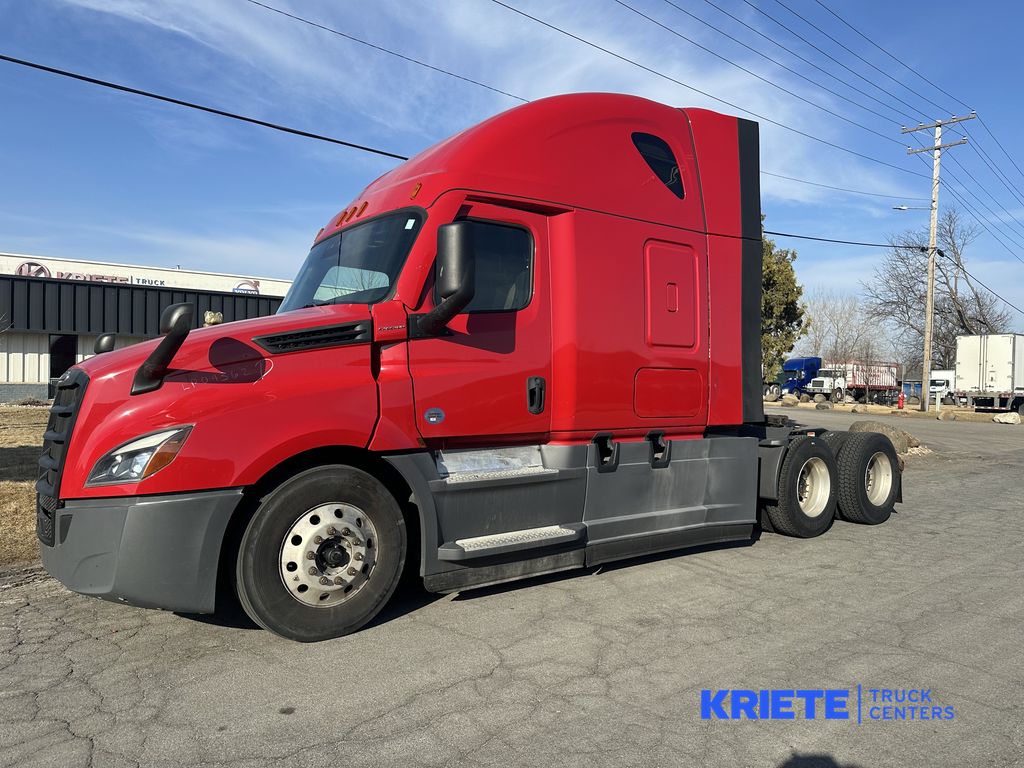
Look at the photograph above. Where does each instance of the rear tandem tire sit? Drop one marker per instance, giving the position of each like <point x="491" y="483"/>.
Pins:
<point x="807" y="489"/>
<point x="356" y="531"/>
<point x="869" y="478"/>
<point x="836" y="440"/>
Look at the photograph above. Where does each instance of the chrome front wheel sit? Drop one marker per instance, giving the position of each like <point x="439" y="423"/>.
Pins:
<point x="328" y="554"/>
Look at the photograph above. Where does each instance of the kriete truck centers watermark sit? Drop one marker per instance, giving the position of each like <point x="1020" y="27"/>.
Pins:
<point x="861" y="703"/>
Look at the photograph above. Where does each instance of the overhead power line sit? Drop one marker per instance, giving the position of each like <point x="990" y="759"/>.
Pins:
<point x="193" y="105"/>
<point x="1005" y="213"/>
<point x="1014" y="162"/>
<point x="830" y="240"/>
<point x="669" y="78"/>
<point x="997" y="172"/>
<point x="829" y="56"/>
<point x="776" y="62"/>
<point x="894" y="58"/>
<point x="841" y="189"/>
<point x="382" y="49"/>
<point x="856" y="55"/>
<point x="805" y="60"/>
<point x="316" y="136"/>
<point x="971" y="210"/>
<point x="750" y="72"/>
<point x="924" y="249"/>
<point x="975" y="278"/>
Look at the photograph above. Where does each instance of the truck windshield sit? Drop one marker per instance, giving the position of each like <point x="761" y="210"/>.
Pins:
<point x="356" y="266"/>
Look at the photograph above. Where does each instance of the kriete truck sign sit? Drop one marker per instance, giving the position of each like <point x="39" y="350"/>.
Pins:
<point x="128" y="274"/>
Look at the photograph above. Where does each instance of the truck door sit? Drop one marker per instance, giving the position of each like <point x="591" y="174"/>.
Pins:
<point x="488" y="381"/>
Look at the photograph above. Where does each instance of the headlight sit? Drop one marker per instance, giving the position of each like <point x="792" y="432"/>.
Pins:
<point x="140" y="458"/>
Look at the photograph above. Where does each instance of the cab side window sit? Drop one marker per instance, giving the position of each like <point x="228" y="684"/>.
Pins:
<point x="504" y="268"/>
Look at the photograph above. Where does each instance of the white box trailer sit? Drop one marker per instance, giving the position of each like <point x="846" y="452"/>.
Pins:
<point x="990" y="371"/>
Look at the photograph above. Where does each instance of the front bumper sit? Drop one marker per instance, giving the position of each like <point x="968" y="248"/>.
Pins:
<point x="149" y="551"/>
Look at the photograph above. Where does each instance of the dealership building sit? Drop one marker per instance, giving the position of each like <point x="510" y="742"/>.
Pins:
<point x="52" y="310"/>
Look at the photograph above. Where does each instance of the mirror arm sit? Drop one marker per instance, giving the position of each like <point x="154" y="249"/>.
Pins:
<point x="434" y="321"/>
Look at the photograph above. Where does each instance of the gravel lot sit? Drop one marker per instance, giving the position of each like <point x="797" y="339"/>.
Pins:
<point x="599" y="668"/>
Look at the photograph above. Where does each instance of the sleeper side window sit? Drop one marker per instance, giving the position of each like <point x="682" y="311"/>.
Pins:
<point x="504" y="267"/>
<point x="659" y="157"/>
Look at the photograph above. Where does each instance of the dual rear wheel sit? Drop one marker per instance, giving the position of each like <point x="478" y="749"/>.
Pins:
<point x="854" y="473"/>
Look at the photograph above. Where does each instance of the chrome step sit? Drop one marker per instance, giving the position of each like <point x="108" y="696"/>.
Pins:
<point x="491" y="466"/>
<point x="511" y="541"/>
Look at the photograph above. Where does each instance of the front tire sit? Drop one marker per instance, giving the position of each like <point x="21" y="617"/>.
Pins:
<point x="322" y="554"/>
<point x="807" y="489"/>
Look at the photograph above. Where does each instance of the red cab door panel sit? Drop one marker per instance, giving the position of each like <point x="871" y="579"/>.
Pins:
<point x="487" y="382"/>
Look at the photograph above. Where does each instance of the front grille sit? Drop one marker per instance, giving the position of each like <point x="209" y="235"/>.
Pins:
<point x="317" y="338"/>
<point x="67" y="400"/>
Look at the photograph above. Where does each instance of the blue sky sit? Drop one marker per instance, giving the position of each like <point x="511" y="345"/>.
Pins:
<point x="89" y="173"/>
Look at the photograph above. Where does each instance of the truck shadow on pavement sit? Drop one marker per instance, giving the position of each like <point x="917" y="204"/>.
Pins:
<point x="814" y="761"/>
<point x="410" y="596"/>
<point x="578" y="573"/>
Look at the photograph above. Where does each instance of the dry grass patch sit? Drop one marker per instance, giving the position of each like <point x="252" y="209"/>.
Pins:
<point x="21" y="436"/>
<point x="18" y="544"/>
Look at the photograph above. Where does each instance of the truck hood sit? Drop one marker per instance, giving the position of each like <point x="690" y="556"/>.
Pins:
<point x="213" y="348"/>
<point x="249" y="406"/>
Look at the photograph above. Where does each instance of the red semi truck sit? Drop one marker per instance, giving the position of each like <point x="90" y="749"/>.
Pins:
<point x="533" y="347"/>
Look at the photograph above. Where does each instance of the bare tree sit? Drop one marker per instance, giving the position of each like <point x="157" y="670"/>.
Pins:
<point x="842" y="328"/>
<point x="896" y="294"/>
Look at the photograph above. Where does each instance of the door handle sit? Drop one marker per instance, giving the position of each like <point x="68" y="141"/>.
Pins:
<point x="535" y="386"/>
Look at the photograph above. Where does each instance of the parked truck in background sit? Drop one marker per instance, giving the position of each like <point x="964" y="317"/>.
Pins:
<point x="990" y="372"/>
<point x="863" y="380"/>
<point x="796" y="374"/>
<point x="533" y="347"/>
<point x="942" y="384"/>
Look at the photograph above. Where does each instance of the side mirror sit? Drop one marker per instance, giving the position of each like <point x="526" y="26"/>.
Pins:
<point x="455" y="275"/>
<point x="175" y="324"/>
<point x="104" y="343"/>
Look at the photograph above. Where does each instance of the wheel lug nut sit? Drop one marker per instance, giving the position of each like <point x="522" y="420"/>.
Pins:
<point x="311" y="555"/>
<point x="313" y="571"/>
<point x="318" y="539"/>
<point x="332" y="531"/>
<point x="346" y="532"/>
<point x="338" y="580"/>
<point x="358" y="556"/>
<point x="324" y="580"/>
<point x="352" y="571"/>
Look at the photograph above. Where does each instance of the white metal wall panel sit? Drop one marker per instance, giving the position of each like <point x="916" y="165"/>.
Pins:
<point x="24" y="358"/>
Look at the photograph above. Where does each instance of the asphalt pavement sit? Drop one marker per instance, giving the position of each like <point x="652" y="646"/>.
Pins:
<point x="602" y="667"/>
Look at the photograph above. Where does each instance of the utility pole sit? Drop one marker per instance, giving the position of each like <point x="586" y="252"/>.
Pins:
<point x="929" y="304"/>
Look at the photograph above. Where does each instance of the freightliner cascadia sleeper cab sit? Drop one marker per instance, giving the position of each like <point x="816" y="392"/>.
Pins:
<point x="533" y="347"/>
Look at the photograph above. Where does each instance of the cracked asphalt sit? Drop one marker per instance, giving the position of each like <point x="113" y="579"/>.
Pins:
<point x="596" y="668"/>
